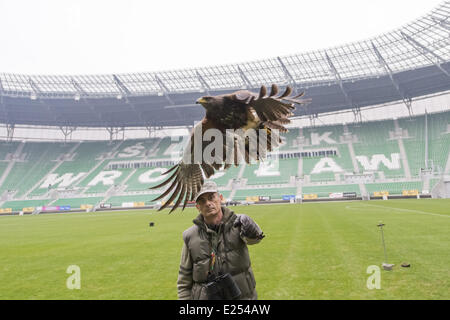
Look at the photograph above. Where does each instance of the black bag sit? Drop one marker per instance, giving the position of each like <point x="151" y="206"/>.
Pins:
<point x="222" y="287"/>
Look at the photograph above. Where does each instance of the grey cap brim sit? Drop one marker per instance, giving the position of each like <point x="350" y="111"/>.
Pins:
<point x="206" y="188"/>
<point x="200" y="193"/>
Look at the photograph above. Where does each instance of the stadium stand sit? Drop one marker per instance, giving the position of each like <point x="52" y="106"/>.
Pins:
<point x="101" y="171"/>
<point x="144" y="178"/>
<point x="271" y="172"/>
<point x="438" y="139"/>
<point x="413" y="135"/>
<point x="393" y="187"/>
<point x="290" y="140"/>
<point x="222" y="178"/>
<point x="31" y="164"/>
<point x="21" y="204"/>
<point x="138" y="149"/>
<point x="325" y="190"/>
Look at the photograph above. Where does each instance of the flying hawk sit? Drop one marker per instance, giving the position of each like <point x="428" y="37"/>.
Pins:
<point x="238" y="110"/>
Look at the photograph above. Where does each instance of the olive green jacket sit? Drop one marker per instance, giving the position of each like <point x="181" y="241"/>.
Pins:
<point x="231" y="255"/>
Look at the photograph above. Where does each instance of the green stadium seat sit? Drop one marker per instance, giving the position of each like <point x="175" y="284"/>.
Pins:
<point x="376" y="149"/>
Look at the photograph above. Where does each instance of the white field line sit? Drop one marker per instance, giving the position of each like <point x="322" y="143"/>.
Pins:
<point x="399" y="209"/>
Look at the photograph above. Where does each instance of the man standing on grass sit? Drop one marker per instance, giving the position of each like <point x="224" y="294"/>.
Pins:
<point x="215" y="246"/>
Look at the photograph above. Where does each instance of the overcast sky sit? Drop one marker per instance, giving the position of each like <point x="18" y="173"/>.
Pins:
<point x="111" y="36"/>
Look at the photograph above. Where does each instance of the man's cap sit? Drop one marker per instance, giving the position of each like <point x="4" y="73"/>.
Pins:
<point x="208" y="186"/>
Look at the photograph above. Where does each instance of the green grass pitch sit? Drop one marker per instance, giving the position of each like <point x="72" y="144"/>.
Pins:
<point x="312" y="251"/>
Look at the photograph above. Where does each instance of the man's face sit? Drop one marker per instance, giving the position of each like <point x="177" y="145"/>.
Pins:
<point x="209" y="204"/>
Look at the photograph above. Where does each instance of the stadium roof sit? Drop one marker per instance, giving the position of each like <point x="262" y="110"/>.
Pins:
<point x="400" y="65"/>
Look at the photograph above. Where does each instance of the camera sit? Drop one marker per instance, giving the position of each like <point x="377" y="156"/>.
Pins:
<point x="222" y="287"/>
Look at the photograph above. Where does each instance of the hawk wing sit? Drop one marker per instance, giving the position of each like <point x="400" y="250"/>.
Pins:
<point x="187" y="177"/>
<point x="272" y="110"/>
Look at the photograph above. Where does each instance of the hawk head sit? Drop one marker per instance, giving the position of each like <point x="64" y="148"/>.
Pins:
<point x="209" y="102"/>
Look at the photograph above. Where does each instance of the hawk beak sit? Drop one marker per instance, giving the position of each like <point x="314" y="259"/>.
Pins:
<point x="200" y="101"/>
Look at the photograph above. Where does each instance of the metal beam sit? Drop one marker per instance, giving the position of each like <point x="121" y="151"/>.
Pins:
<point x="113" y="131"/>
<point x="67" y="130"/>
<point x="287" y="74"/>
<point x="38" y="93"/>
<point x="357" y="114"/>
<point x="339" y="81"/>
<point x="424" y="51"/>
<point x="383" y="63"/>
<point x="312" y="119"/>
<point x="78" y="88"/>
<point x="150" y="130"/>
<point x="83" y="94"/>
<point x="164" y="89"/>
<point x="161" y="84"/>
<point x="34" y="87"/>
<point x="442" y="23"/>
<point x="10" y="131"/>
<point x="125" y="92"/>
<point x="204" y="84"/>
<point x="122" y="88"/>
<point x="244" y="78"/>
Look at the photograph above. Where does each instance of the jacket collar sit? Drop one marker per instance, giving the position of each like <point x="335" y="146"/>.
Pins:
<point x="227" y="219"/>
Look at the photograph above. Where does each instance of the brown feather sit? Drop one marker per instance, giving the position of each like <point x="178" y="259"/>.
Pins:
<point x="273" y="90"/>
<point x="168" y="202"/>
<point x="302" y="101"/>
<point x="170" y="170"/>
<point x="167" y="180"/>
<point x="182" y="194"/>
<point x="167" y="191"/>
<point x="284" y="120"/>
<point x="274" y="125"/>
<point x="262" y="92"/>
<point x="287" y="92"/>
<point x="299" y="95"/>
<point x="188" y="195"/>
<point x="209" y="171"/>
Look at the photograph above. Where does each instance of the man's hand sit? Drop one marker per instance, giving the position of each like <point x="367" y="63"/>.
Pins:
<point x="249" y="228"/>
